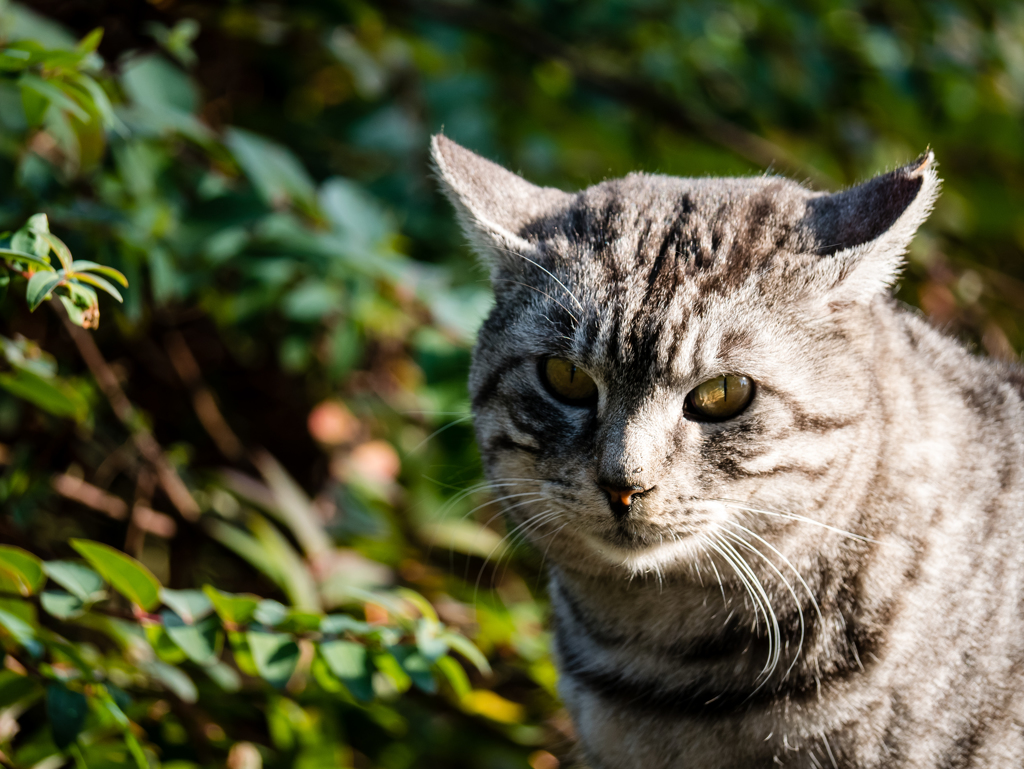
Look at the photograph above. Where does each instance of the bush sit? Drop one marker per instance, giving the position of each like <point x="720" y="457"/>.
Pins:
<point x="241" y="511"/>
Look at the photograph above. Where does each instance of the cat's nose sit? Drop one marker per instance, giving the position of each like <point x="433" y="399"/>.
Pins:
<point x="621" y="498"/>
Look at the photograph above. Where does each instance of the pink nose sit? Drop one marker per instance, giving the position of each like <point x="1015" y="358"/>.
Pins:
<point x="623" y="496"/>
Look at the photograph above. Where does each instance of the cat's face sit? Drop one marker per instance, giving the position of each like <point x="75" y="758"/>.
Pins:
<point x="664" y="354"/>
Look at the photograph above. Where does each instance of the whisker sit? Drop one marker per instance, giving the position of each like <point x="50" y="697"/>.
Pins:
<point x="545" y="270"/>
<point x="771" y="620"/>
<point x="795" y="517"/>
<point x="542" y="293"/>
<point x="438" y="431"/>
<point x="733" y="559"/>
<point x="789" y="587"/>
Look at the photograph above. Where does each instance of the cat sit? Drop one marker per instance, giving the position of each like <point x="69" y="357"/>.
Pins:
<point x="783" y="516"/>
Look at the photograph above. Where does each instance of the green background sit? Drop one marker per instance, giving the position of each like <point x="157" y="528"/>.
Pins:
<point x="265" y="187"/>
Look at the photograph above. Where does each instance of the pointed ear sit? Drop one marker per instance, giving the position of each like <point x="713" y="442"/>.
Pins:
<point x="495" y="207"/>
<point x="863" y="233"/>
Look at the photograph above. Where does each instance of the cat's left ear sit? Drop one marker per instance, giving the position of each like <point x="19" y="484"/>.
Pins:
<point x="495" y="206"/>
<point x="862" y="233"/>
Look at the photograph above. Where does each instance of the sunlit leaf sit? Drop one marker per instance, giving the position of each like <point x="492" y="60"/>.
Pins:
<point x="21" y="631"/>
<point x="275" y="656"/>
<point x="465" y="647"/>
<point x="10" y="255"/>
<point x="53" y="94"/>
<point x="67" y="710"/>
<point x="77" y="579"/>
<point x="59" y="248"/>
<point x="80" y="265"/>
<point x="40" y="285"/>
<point x="417" y="666"/>
<point x="50" y="394"/>
<point x="190" y="605"/>
<point x="61" y="605"/>
<point x="270" y="612"/>
<point x="126" y="575"/>
<point x="90" y="42"/>
<point x="199" y="641"/>
<point x="230" y="607"/>
<point x="224" y="676"/>
<point x="99" y="282"/>
<point x="351" y="664"/>
<point x="173" y="679"/>
<point x="455" y="675"/>
<point x="24" y="568"/>
<point x="431" y="639"/>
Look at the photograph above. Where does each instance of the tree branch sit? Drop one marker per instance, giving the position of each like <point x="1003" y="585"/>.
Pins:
<point x="147" y="445"/>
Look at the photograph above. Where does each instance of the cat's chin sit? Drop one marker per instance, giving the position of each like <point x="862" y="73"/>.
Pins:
<point x="639" y="558"/>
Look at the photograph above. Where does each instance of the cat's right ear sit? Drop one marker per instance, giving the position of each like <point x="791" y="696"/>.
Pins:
<point x="495" y="206"/>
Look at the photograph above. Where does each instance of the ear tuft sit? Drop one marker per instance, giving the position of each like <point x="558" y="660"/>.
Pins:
<point x="494" y="205"/>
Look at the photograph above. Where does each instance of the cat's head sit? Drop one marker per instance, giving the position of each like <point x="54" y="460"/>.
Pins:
<point x="667" y="354"/>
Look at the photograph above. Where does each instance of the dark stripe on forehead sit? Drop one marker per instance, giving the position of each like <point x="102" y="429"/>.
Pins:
<point x="663" y="278"/>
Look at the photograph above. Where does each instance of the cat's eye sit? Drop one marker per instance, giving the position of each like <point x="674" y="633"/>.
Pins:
<point x="721" y="398"/>
<point x="568" y="382"/>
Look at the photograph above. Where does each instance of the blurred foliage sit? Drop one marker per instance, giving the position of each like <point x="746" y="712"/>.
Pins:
<point x="273" y="426"/>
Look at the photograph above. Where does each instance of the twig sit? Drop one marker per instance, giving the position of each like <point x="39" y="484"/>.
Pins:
<point x="91" y="496"/>
<point x="634" y="92"/>
<point x="147" y="519"/>
<point x="202" y="397"/>
<point x="147" y="445"/>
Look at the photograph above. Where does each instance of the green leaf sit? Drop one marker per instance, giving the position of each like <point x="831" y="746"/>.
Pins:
<point x="24" y="568"/>
<point x="224" y="676"/>
<point x="456" y="676"/>
<point x="52" y="395"/>
<point x="58" y="246"/>
<point x="336" y="624"/>
<point x="82" y="264"/>
<point x="465" y="647"/>
<point x="10" y="255"/>
<point x="416" y="666"/>
<point x="299" y="621"/>
<point x="14" y="688"/>
<point x="231" y="607"/>
<point x="66" y="710"/>
<point x="21" y="631"/>
<point x="200" y="641"/>
<point x="53" y="94"/>
<point x="351" y="664"/>
<point x="275" y="656"/>
<point x="126" y="575"/>
<point x="77" y="579"/>
<point x="271" y="612"/>
<point x="40" y="285"/>
<point x="97" y="281"/>
<point x="190" y="605"/>
<point x="38" y="223"/>
<point x="274" y="171"/>
<point x="62" y="605"/>
<point x="430" y="639"/>
<point x="173" y="679"/>
<point x="90" y="42"/>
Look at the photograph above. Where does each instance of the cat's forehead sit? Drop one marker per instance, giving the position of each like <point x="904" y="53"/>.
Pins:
<point x="666" y="227"/>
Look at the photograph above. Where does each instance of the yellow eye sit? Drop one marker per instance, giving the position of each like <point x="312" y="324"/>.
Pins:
<point x="567" y="382"/>
<point x="720" y="398"/>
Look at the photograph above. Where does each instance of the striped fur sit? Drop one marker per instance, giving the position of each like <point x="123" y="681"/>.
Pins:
<point x="831" y="579"/>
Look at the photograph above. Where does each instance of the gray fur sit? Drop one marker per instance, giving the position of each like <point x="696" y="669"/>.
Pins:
<point x="869" y="500"/>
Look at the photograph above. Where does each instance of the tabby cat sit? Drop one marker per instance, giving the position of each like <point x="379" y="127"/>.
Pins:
<point x="783" y="516"/>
